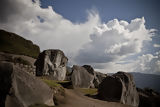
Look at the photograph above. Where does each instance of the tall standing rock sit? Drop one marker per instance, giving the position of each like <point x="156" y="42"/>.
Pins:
<point x="51" y="63"/>
<point x="119" y="88"/>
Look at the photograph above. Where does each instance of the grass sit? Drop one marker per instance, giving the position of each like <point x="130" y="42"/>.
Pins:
<point x="15" y="44"/>
<point x="51" y="83"/>
<point x="55" y="86"/>
<point x="89" y="91"/>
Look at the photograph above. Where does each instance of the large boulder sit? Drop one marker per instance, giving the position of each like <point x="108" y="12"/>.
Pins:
<point x="51" y="63"/>
<point x="81" y="77"/>
<point x="98" y="77"/>
<point x="20" y="89"/>
<point x="148" y="98"/>
<point x="85" y="77"/>
<point x="119" y="87"/>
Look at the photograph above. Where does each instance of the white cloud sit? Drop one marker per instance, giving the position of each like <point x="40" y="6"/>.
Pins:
<point x="146" y="63"/>
<point x="54" y="32"/>
<point x="103" y="45"/>
<point x="156" y="45"/>
<point x="115" y="40"/>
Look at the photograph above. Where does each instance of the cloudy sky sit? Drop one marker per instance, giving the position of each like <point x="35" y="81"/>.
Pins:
<point x="110" y="35"/>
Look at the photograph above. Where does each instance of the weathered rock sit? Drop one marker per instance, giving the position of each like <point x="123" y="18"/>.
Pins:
<point x="98" y="77"/>
<point x="19" y="89"/>
<point x="93" y="78"/>
<point x="148" y="98"/>
<point x="51" y="63"/>
<point x="89" y="69"/>
<point x="81" y="77"/>
<point x="119" y="88"/>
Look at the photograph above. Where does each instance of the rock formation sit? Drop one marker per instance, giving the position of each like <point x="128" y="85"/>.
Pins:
<point x="51" y="63"/>
<point x="15" y="44"/>
<point x="85" y="77"/>
<point x="119" y="88"/>
<point x="81" y="77"/>
<point x="148" y="98"/>
<point x="20" y="89"/>
<point x="98" y="77"/>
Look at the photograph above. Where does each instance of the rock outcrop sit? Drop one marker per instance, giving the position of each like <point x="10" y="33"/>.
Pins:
<point x="119" y="87"/>
<point x="98" y="77"/>
<point x="15" y="44"/>
<point x="51" y="63"/>
<point x="85" y="77"/>
<point x="25" y="63"/>
<point x="81" y="77"/>
<point x="20" y="89"/>
<point x="148" y="98"/>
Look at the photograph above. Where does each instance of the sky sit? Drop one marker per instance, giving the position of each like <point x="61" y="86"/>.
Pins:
<point x="110" y="35"/>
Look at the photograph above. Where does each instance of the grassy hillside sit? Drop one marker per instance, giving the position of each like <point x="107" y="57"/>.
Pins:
<point x="12" y="43"/>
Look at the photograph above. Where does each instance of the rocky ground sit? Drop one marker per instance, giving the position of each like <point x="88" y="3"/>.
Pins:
<point x="61" y="86"/>
<point x="74" y="98"/>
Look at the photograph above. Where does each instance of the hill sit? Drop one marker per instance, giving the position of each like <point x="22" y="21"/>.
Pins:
<point x="13" y="43"/>
<point x="147" y="81"/>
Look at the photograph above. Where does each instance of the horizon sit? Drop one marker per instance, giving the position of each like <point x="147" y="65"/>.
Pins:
<point x="110" y="35"/>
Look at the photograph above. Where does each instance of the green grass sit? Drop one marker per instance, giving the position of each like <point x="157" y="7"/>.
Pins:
<point x="55" y="86"/>
<point x="89" y="91"/>
<point x="51" y="83"/>
<point x="15" y="44"/>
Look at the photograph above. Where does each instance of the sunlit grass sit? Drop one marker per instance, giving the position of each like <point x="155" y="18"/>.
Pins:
<point x="51" y="83"/>
<point x="89" y="91"/>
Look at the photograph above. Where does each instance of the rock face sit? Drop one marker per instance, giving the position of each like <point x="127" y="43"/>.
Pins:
<point x="148" y="98"/>
<point x="85" y="77"/>
<point x="98" y="77"/>
<point x="81" y="77"/>
<point x="119" y="88"/>
<point x="19" y="89"/>
<point x="51" y="63"/>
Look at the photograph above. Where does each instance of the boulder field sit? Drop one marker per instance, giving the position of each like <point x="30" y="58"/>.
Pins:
<point x="21" y="89"/>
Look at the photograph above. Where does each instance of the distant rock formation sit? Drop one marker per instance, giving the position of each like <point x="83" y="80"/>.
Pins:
<point x="148" y="98"/>
<point x="85" y="77"/>
<point x="19" y="89"/>
<point x="119" y="87"/>
<point x="52" y="63"/>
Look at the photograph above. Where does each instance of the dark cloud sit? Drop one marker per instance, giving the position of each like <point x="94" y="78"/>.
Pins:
<point x="9" y="8"/>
